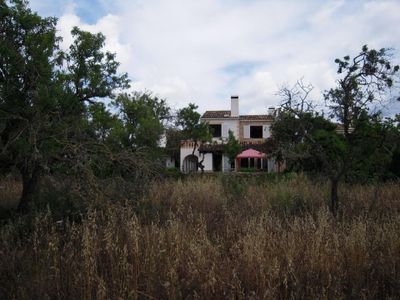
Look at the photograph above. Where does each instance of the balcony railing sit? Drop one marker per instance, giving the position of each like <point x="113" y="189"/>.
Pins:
<point x="190" y="143"/>
<point x="252" y="142"/>
<point x="187" y="144"/>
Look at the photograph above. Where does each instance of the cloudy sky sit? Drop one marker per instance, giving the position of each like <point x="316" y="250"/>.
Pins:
<point x="205" y="51"/>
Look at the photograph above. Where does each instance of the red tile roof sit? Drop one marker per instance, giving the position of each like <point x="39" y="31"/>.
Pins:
<point x="256" y="117"/>
<point x="222" y="114"/>
<point x="216" y="114"/>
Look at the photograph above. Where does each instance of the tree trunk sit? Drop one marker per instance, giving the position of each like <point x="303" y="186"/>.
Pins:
<point x="199" y="163"/>
<point x="201" y="166"/>
<point x="334" y="196"/>
<point x="30" y="184"/>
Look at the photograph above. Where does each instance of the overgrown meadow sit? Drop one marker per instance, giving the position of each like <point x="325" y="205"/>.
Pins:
<point x="203" y="237"/>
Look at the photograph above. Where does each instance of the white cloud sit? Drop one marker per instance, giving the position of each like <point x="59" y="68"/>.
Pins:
<point x="185" y="50"/>
<point x="109" y="25"/>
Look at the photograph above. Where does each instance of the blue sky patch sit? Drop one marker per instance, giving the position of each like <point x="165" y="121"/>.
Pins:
<point x="89" y="11"/>
<point x="241" y="69"/>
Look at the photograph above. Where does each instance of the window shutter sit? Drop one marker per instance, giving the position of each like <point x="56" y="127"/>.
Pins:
<point x="266" y="133"/>
<point x="246" y="131"/>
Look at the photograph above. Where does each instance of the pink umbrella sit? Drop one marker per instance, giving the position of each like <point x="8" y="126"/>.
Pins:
<point x="251" y="153"/>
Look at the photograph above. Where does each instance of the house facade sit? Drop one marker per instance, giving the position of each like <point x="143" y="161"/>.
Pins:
<point x="252" y="132"/>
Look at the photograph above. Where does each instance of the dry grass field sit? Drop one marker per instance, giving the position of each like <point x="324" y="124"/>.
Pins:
<point x="10" y="191"/>
<point x="211" y="237"/>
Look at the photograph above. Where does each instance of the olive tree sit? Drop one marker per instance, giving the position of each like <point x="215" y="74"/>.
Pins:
<point x="45" y="92"/>
<point x="307" y="138"/>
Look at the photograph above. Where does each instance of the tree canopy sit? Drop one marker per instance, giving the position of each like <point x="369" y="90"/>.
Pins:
<point x="360" y="143"/>
<point x="51" y="112"/>
<point x="143" y="118"/>
<point x="193" y="128"/>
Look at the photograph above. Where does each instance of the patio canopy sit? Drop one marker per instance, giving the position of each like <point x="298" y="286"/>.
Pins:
<point x="251" y="153"/>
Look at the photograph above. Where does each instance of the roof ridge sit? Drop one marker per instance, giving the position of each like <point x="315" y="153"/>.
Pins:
<point x="219" y="110"/>
<point x="224" y="114"/>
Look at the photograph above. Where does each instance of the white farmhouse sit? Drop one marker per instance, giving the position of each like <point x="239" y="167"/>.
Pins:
<point x="252" y="131"/>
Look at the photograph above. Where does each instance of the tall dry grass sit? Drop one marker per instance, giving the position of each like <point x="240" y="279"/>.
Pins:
<point x="10" y="192"/>
<point x="212" y="238"/>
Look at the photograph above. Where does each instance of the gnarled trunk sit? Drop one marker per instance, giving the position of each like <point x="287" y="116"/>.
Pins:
<point x="200" y="165"/>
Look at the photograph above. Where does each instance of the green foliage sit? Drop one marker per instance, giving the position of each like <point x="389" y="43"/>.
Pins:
<point x="306" y="140"/>
<point x="367" y="145"/>
<point x="365" y="79"/>
<point x="248" y="170"/>
<point x="188" y="117"/>
<point x="377" y="140"/>
<point x="173" y="173"/>
<point x="189" y="120"/>
<point x="232" y="147"/>
<point x="143" y="119"/>
<point x="174" y="137"/>
<point x="51" y="120"/>
<point x="102" y="123"/>
<point x="90" y="71"/>
<point x="29" y="106"/>
<point x="369" y="139"/>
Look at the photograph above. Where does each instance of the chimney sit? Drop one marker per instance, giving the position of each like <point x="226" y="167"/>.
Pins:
<point x="234" y="106"/>
<point x="271" y="111"/>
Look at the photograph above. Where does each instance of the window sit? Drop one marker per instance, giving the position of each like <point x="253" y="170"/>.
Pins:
<point x="256" y="132"/>
<point x="215" y="130"/>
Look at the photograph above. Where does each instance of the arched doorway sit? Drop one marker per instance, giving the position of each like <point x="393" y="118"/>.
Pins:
<point x="190" y="164"/>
